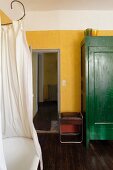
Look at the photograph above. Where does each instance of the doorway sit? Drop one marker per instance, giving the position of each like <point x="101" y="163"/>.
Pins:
<point x="46" y="89"/>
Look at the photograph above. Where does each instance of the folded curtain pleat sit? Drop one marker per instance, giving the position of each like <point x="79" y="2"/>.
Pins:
<point x="16" y="91"/>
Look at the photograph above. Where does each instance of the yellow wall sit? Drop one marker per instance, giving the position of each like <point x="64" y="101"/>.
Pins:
<point x="69" y="44"/>
<point x="4" y="18"/>
<point x="105" y="33"/>
<point x="50" y="72"/>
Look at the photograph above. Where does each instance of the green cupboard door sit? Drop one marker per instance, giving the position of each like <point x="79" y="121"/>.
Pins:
<point x="101" y="92"/>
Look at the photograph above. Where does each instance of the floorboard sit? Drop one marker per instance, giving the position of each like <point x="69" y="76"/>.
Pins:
<point x="57" y="156"/>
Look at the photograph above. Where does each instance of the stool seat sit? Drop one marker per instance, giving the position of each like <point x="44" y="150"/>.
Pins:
<point x="71" y="115"/>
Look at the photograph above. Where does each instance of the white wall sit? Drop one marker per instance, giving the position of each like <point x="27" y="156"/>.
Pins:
<point x="69" y="20"/>
<point x="61" y="19"/>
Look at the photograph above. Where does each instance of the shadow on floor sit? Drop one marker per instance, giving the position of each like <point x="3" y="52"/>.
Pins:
<point x="46" y="118"/>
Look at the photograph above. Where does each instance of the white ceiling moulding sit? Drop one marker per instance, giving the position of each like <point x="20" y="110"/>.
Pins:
<point x="68" y="20"/>
<point x="42" y="20"/>
<point x="59" y="19"/>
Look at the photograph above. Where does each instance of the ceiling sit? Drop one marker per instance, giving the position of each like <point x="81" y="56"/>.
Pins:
<point x="44" y="5"/>
<point x="34" y="5"/>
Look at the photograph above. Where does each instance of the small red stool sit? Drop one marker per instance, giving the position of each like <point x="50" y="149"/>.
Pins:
<point x="71" y="127"/>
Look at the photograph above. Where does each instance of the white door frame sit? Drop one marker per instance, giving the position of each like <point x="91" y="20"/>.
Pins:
<point x="58" y="69"/>
<point x="40" y="77"/>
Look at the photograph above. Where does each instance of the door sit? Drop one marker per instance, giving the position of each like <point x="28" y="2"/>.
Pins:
<point x="100" y="88"/>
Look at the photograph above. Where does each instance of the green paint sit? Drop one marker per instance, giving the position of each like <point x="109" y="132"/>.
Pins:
<point x="98" y="82"/>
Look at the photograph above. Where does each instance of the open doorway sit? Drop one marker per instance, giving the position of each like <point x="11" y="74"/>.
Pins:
<point x="46" y="89"/>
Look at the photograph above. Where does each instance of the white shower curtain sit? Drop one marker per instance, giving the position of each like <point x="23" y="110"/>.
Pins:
<point x="16" y="93"/>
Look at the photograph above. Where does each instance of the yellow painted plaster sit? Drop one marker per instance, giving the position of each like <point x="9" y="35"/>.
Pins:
<point x="50" y="72"/>
<point x="4" y="17"/>
<point x="104" y="32"/>
<point x="69" y="44"/>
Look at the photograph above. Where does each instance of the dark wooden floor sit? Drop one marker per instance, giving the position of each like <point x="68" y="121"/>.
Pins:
<point x="57" y="156"/>
<point x="46" y="113"/>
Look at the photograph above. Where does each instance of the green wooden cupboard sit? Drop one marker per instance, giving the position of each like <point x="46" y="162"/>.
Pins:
<point x="97" y="87"/>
